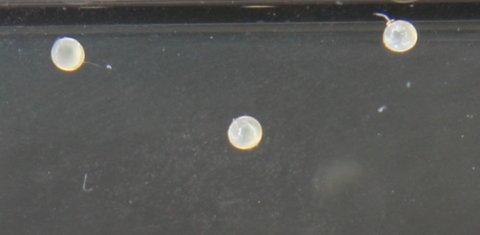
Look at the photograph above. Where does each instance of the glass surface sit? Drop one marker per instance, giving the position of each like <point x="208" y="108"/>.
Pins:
<point x="250" y="3"/>
<point x="357" y="139"/>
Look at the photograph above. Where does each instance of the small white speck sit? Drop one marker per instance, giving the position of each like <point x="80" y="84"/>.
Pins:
<point x="408" y="84"/>
<point x="462" y="136"/>
<point x="259" y="201"/>
<point x="473" y="168"/>
<point x="211" y="37"/>
<point x="469" y="116"/>
<point x="130" y="202"/>
<point x="381" y="108"/>
<point x="178" y="54"/>
<point x="379" y="134"/>
<point x="163" y="49"/>
<point x="108" y="66"/>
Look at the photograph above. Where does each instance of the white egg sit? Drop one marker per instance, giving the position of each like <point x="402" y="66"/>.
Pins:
<point x="399" y="35"/>
<point x="67" y="54"/>
<point x="245" y="133"/>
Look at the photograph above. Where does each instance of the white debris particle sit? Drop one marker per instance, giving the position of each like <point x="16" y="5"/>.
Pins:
<point x="108" y="66"/>
<point x="211" y="37"/>
<point x="379" y="134"/>
<point x="462" y="136"/>
<point x="381" y="108"/>
<point x="408" y="84"/>
<point x="473" y="168"/>
<point x="84" y="187"/>
<point x="163" y="49"/>
<point x="469" y="116"/>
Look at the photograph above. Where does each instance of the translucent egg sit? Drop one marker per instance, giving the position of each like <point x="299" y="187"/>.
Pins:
<point x="245" y="133"/>
<point x="399" y="35"/>
<point x="67" y="54"/>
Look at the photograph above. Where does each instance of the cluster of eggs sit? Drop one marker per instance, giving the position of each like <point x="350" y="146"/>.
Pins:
<point x="245" y="132"/>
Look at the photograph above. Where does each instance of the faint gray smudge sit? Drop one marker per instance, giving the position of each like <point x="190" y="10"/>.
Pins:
<point x="337" y="177"/>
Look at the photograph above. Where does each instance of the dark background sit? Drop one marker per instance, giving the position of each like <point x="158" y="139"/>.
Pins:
<point x="151" y="132"/>
<point x="236" y="12"/>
